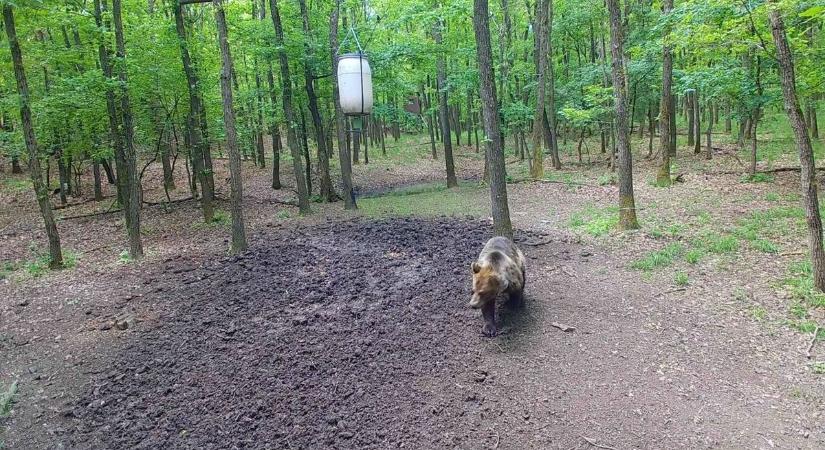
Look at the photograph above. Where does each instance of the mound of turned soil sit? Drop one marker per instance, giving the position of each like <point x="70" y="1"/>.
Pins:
<point x="334" y="337"/>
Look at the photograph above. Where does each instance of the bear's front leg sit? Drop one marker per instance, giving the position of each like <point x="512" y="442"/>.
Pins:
<point x="489" y="313"/>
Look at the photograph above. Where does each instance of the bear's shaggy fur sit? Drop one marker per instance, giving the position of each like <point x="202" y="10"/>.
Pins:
<point x="500" y="269"/>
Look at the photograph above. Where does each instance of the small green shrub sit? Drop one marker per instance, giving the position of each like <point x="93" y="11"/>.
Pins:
<point x="764" y="245"/>
<point x="607" y="179"/>
<point x="594" y="221"/>
<point x="7" y="399"/>
<point x="773" y="197"/>
<point x="283" y="214"/>
<point x="660" y="258"/>
<point x="681" y="279"/>
<point x="124" y="257"/>
<point x="758" y="177"/>
<point x="693" y="255"/>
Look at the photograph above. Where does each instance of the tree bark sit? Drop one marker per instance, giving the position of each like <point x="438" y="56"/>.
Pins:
<point x="97" y="187"/>
<point x="551" y="92"/>
<point x="803" y="142"/>
<point x="289" y="112"/>
<point x="697" y="126"/>
<point x="236" y="181"/>
<point x="494" y="151"/>
<point x="132" y="208"/>
<point x="40" y="190"/>
<point x="666" y="124"/>
<point x="325" y="182"/>
<point x="537" y="151"/>
<point x="443" y="109"/>
<point x="690" y="104"/>
<point x="627" y="203"/>
<point x="275" y="133"/>
<point x="340" y="121"/>
<point x="199" y="146"/>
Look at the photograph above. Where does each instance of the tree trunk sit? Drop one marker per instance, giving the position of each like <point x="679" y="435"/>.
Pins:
<point x="40" y="190"/>
<point x="63" y="176"/>
<point x="754" y="148"/>
<point x="708" y="132"/>
<point x="199" y="146"/>
<point x="289" y="113"/>
<point x="697" y="119"/>
<point x="305" y="149"/>
<point x="340" y="121"/>
<point x="15" y="165"/>
<point x="803" y="142"/>
<point x="666" y="123"/>
<point x="690" y="104"/>
<point x="814" y="122"/>
<point x="325" y="182"/>
<point x="443" y="109"/>
<point x="540" y="45"/>
<point x="627" y="203"/>
<point x="132" y="208"/>
<point x="236" y="181"/>
<point x="489" y="107"/>
<point x="97" y="187"/>
<point x="275" y="133"/>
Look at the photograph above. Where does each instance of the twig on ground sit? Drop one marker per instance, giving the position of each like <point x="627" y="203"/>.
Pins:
<point x="669" y="292"/>
<point x="562" y="327"/>
<point x="800" y="252"/>
<point x="811" y="345"/>
<point x="567" y="272"/>
<point x="177" y="200"/>
<point x="596" y="444"/>
<point x="536" y="244"/>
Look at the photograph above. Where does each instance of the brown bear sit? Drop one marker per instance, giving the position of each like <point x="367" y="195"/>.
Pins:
<point x="500" y="269"/>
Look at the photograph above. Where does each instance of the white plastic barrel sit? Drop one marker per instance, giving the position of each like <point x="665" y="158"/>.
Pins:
<point x="354" y="84"/>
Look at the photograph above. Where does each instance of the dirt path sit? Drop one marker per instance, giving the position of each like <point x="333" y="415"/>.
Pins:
<point x="357" y="335"/>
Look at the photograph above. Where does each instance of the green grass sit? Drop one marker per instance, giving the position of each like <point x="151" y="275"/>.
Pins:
<point x="714" y="242"/>
<point x="758" y="177"/>
<point x="426" y="201"/>
<point x="693" y="255"/>
<point x="283" y="214"/>
<point x="124" y="257"/>
<point x="607" y="179"/>
<point x="659" y="258"/>
<point x="773" y="197"/>
<point x="805" y="297"/>
<point x="758" y="313"/>
<point x="220" y="219"/>
<point x="818" y="367"/>
<point x="595" y="221"/>
<point x="16" y="184"/>
<point x="39" y="264"/>
<point x="7" y="399"/>
<point x="681" y="279"/>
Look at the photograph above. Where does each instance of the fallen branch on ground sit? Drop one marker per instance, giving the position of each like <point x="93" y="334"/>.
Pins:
<point x="562" y="327"/>
<point x="530" y="180"/>
<point x="774" y="170"/>
<point x="669" y="292"/>
<point x="177" y="200"/>
<point x="596" y="444"/>
<point x="811" y="345"/>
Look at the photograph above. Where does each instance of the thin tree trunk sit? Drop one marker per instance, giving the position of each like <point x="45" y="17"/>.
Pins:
<point x="537" y="150"/>
<point x="690" y="104"/>
<point x="305" y="149"/>
<point x="325" y="182"/>
<point x="709" y="145"/>
<point x="340" y="122"/>
<point x="198" y="144"/>
<point x="489" y="106"/>
<point x="289" y="113"/>
<point x="666" y="123"/>
<point x="236" y="182"/>
<point x="275" y="133"/>
<point x="697" y="119"/>
<point x="803" y="142"/>
<point x="627" y="203"/>
<point x="443" y="109"/>
<point x="97" y="187"/>
<point x="40" y="190"/>
<point x="15" y="165"/>
<point x="132" y="208"/>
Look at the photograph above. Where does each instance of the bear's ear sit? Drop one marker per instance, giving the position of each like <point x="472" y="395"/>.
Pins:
<point x="476" y="267"/>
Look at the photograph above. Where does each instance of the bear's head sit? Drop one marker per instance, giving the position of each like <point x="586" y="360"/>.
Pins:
<point x="487" y="284"/>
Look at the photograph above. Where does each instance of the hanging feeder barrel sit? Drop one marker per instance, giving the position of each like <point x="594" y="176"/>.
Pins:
<point x="355" y="84"/>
